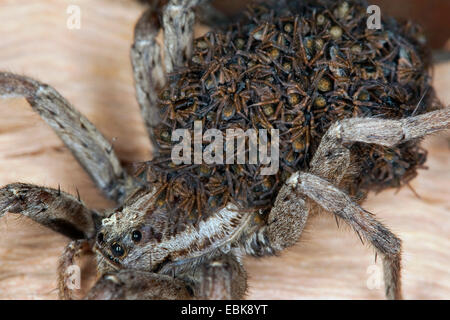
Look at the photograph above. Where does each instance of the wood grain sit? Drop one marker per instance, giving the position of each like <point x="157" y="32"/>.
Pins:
<point x="91" y="68"/>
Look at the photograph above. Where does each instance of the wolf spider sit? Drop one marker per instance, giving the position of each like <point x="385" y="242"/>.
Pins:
<point x="138" y="254"/>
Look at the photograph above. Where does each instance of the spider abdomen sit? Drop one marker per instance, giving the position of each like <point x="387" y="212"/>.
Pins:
<point x="297" y="69"/>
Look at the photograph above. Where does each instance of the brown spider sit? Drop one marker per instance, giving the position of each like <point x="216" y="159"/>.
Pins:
<point x="161" y="242"/>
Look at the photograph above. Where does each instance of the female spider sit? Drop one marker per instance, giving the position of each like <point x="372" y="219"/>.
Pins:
<point x="350" y="105"/>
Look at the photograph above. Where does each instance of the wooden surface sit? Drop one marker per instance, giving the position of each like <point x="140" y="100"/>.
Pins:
<point x="91" y="68"/>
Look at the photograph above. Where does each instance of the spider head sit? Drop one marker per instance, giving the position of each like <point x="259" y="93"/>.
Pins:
<point x="136" y="239"/>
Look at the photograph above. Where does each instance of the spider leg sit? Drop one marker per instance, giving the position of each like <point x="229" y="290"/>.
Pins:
<point x="290" y="212"/>
<point x="335" y="201"/>
<point x="86" y="143"/>
<point x="222" y="278"/>
<point x="148" y="71"/>
<point x="138" y="285"/>
<point x="332" y="158"/>
<point x="67" y="260"/>
<point x="331" y="162"/>
<point x="178" y="22"/>
<point x="391" y="132"/>
<point x="149" y="74"/>
<point x="283" y="227"/>
<point x="52" y="208"/>
<point x="329" y="165"/>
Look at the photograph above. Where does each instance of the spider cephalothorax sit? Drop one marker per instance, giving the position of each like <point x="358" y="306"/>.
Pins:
<point x="351" y="105"/>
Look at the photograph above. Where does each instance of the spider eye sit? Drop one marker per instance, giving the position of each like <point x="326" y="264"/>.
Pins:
<point x="100" y="237"/>
<point x="136" y="236"/>
<point x="117" y="249"/>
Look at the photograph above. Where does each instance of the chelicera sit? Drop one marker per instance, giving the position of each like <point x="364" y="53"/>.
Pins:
<point x="351" y="105"/>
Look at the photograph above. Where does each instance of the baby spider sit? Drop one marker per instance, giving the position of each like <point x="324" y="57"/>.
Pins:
<point x="351" y="106"/>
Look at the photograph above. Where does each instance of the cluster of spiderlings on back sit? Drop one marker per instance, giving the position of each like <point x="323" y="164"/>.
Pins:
<point x="297" y="69"/>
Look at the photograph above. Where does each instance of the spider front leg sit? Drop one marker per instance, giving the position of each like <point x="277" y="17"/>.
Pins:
<point x="222" y="278"/>
<point x="73" y="250"/>
<point x="290" y="212"/>
<point x="58" y="211"/>
<point x="335" y="201"/>
<point x="283" y="228"/>
<point x="148" y="69"/>
<point x="392" y="132"/>
<point x="87" y="144"/>
<point x="329" y="165"/>
<point x="52" y="208"/>
<point x="332" y="160"/>
<point x="138" y="285"/>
